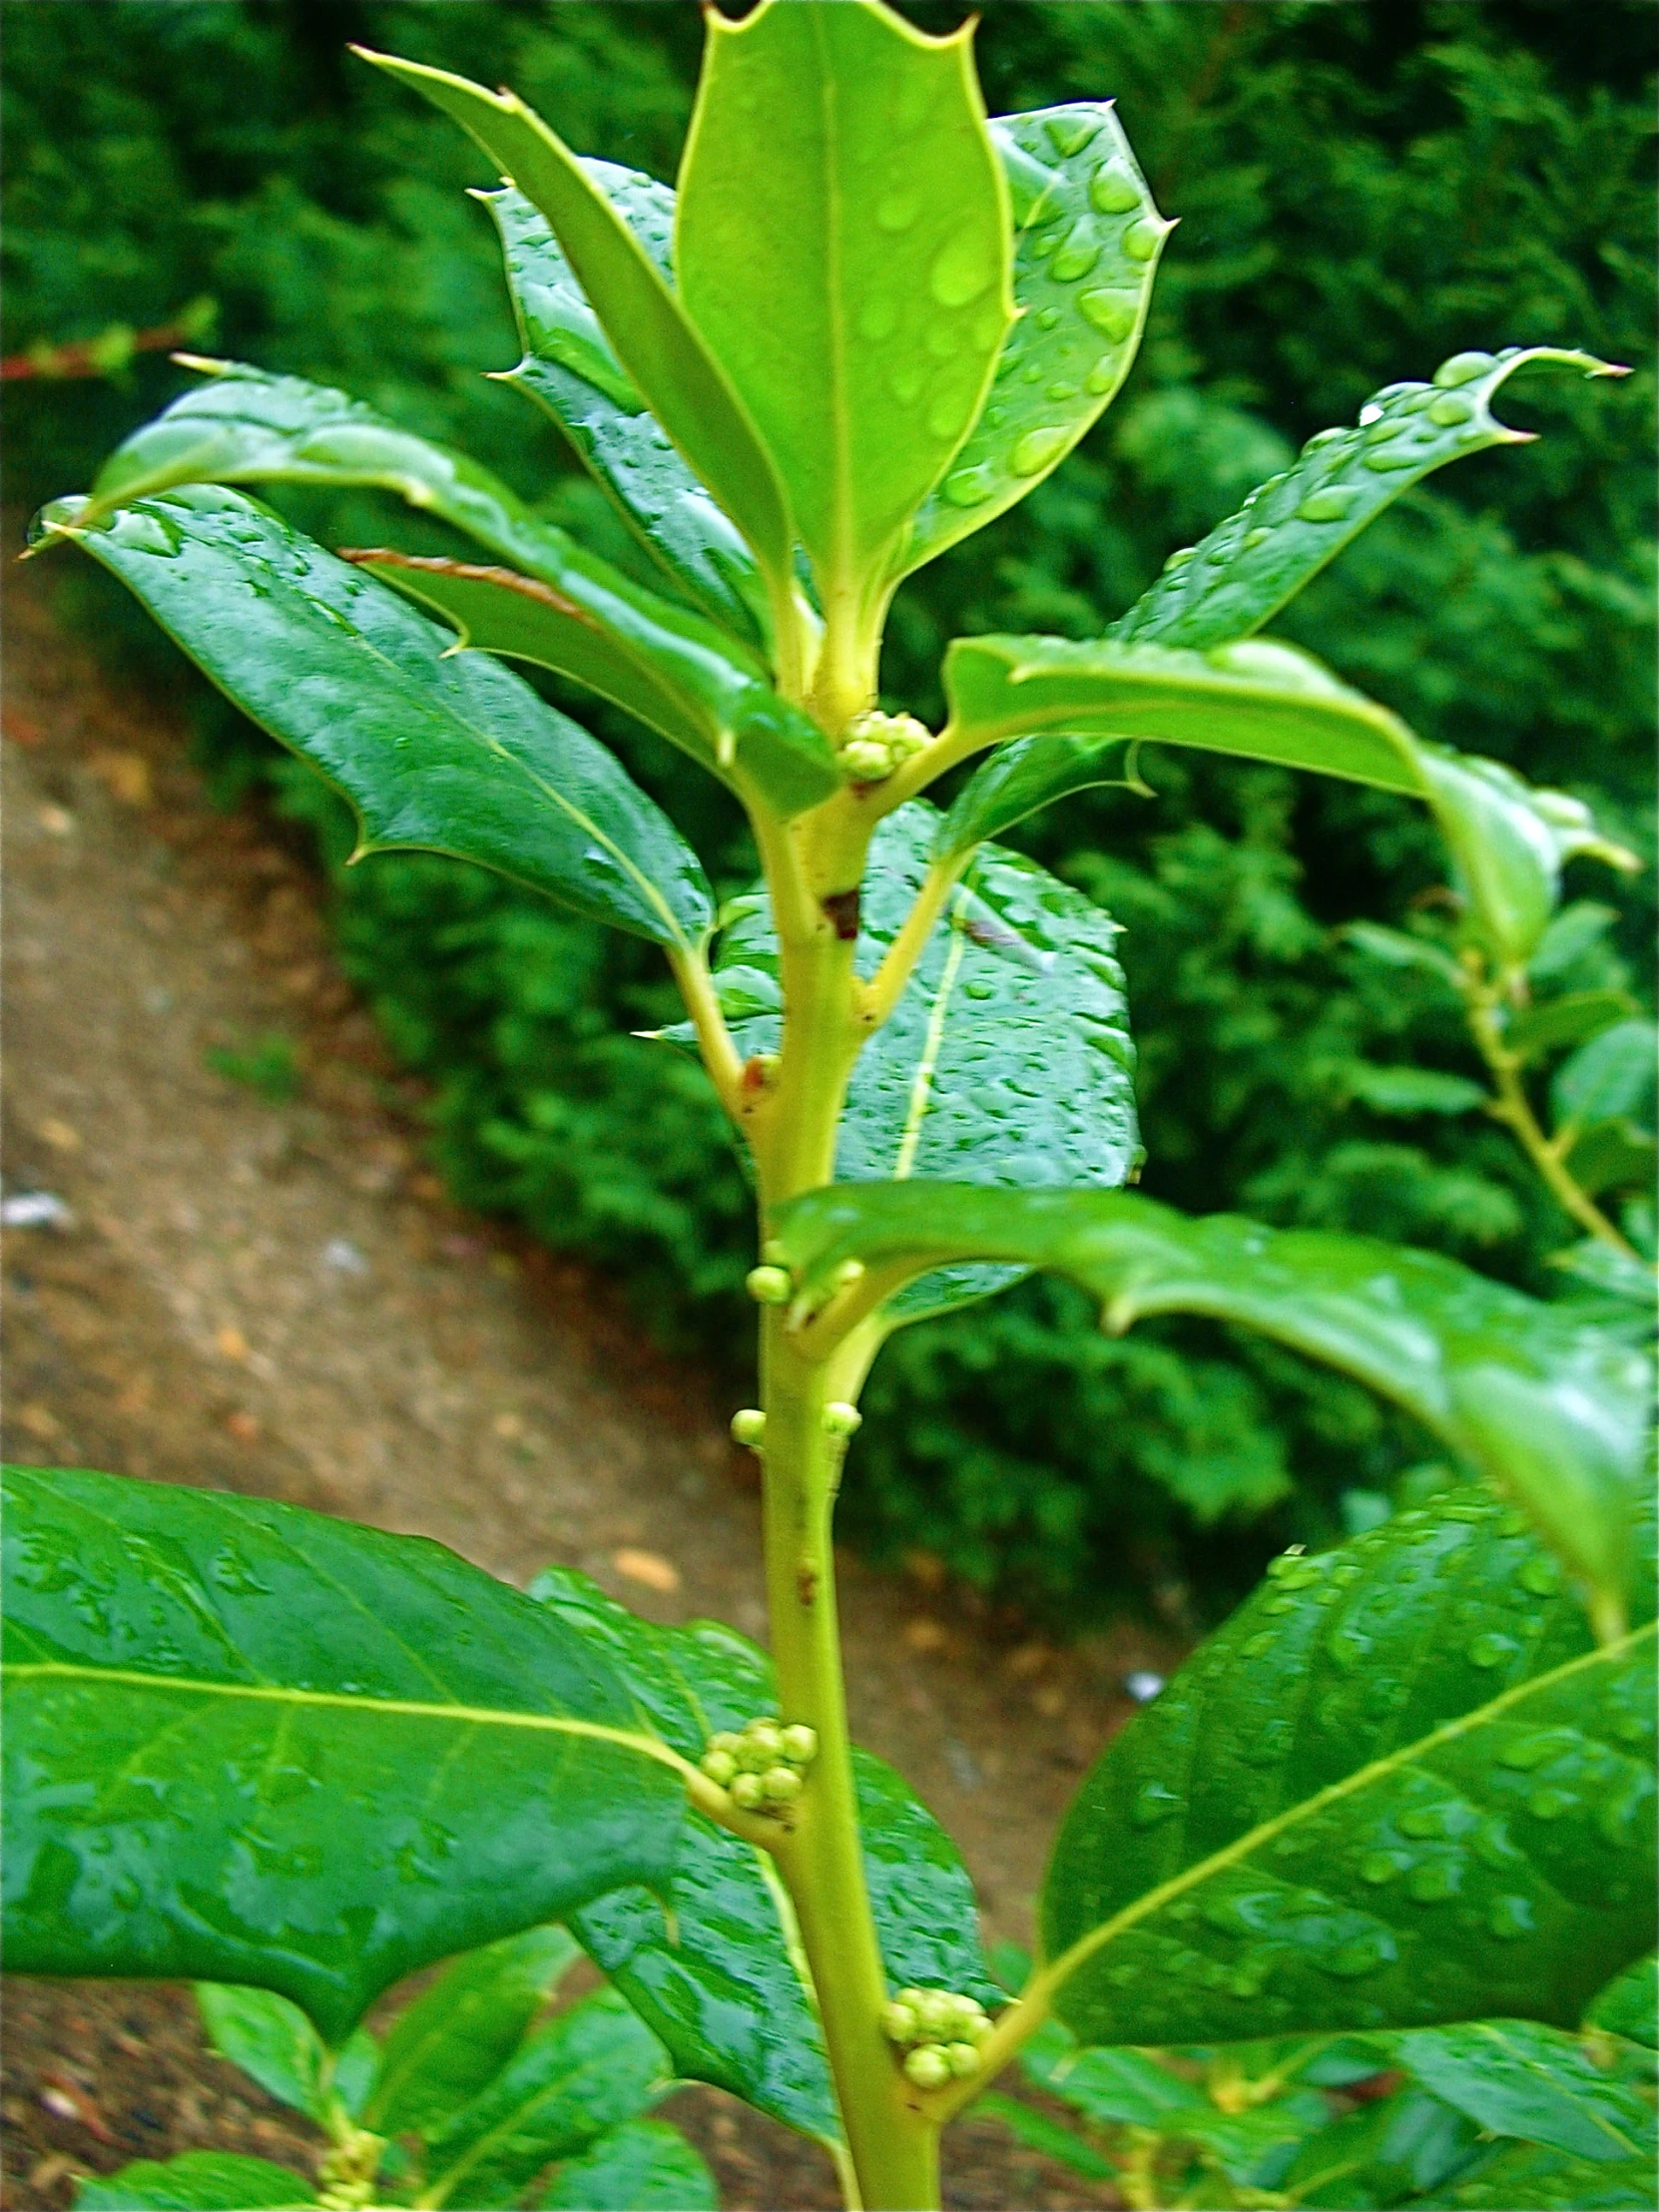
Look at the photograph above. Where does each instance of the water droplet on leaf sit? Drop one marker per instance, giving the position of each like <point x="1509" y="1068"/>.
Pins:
<point x="1329" y="504"/>
<point x="1142" y="239"/>
<point x="1077" y="260"/>
<point x="897" y="210"/>
<point x="1463" y="368"/>
<point x="1113" y="189"/>
<point x="1037" y="450"/>
<point x="961" y="271"/>
<point x="1069" y="133"/>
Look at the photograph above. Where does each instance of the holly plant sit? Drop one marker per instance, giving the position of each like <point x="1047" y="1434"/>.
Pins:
<point x="1408" y="1787"/>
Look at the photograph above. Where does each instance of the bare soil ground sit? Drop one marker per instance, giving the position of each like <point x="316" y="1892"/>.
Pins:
<point x="275" y="1298"/>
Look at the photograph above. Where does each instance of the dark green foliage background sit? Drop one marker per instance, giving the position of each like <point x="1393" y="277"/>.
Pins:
<point x="1363" y="191"/>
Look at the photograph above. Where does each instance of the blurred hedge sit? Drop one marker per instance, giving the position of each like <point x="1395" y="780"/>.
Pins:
<point x="1363" y="191"/>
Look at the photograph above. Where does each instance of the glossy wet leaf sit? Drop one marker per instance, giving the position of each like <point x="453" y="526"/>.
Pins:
<point x="198" y="2181"/>
<point x="1398" y="2150"/>
<point x="572" y="374"/>
<point x="1611" y="1078"/>
<point x="641" y="2166"/>
<point x="1036" y="2131"/>
<point x="1238" y="578"/>
<point x="1021" y="777"/>
<point x="1398" y="1788"/>
<point x="449" y="2044"/>
<point x="1550" y="2181"/>
<point x="1629" y="2005"/>
<point x="726" y="1986"/>
<point x="1406" y="1090"/>
<point x="254" y="1744"/>
<point x="1559" y="1023"/>
<point x="659" y="350"/>
<point x="270" y="2039"/>
<point x="672" y="669"/>
<point x="1514" y="2077"/>
<point x="1113" y="2088"/>
<point x="564" y="606"/>
<point x="843" y="244"/>
<point x="587" y="2071"/>
<point x="1549" y="1406"/>
<point x="1008" y="1060"/>
<point x="1087" y="238"/>
<point x="437" y="750"/>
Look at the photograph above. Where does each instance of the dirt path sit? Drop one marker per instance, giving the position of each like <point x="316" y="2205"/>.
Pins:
<point x="275" y="1299"/>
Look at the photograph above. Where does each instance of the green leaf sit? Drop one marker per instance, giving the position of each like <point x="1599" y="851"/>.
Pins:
<point x="843" y="244"/>
<point x="1548" y="1407"/>
<point x="572" y="374"/>
<point x="568" y="610"/>
<point x="1086" y="243"/>
<point x="1395" y="949"/>
<point x="652" y="338"/>
<point x="641" y="2166"/>
<point x="672" y="669"/>
<point x="1396" y="1789"/>
<point x="198" y="2181"/>
<point x="1569" y="936"/>
<point x="1021" y="777"/>
<point x="1547" y="2181"/>
<point x="1113" y="2087"/>
<point x="272" y="2040"/>
<point x="1007" y="1059"/>
<point x="1629" y="2005"/>
<point x="1394" y="2151"/>
<point x="1513" y="2077"/>
<point x="436" y="750"/>
<point x="1259" y="701"/>
<point x="585" y="2072"/>
<point x="1609" y="1080"/>
<point x="1410" y="1090"/>
<point x="254" y="1744"/>
<point x="1036" y="2131"/>
<point x="1613" y="1156"/>
<point x="723" y="1982"/>
<point x="1574" y="1020"/>
<point x="1238" y="577"/>
<point x="457" y="2035"/>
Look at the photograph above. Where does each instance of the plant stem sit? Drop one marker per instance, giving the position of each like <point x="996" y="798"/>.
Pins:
<point x="1514" y="1109"/>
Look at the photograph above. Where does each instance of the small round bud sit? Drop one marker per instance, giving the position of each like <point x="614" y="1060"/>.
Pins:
<point x="773" y="1253"/>
<point x="782" y="1785"/>
<point x="898" y="2023"/>
<point x="866" y="762"/>
<point x="719" y="1765"/>
<point x="724" y="1740"/>
<point x="848" y="1273"/>
<point x="762" y="1741"/>
<point x="927" y="2066"/>
<point x="769" y="1286"/>
<point x="935" y="2010"/>
<point x="1563" y="810"/>
<point x="963" y="2059"/>
<point x="749" y="1426"/>
<point x="841" y="1419"/>
<point x="799" y="1743"/>
<point x="912" y="1997"/>
<point x="746" y="1792"/>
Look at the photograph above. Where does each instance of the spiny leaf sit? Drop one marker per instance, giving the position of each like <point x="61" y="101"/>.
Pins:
<point x="655" y="344"/>
<point x="1238" y="577"/>
<point x="1550" y="1407"/>
<point x="1394" y="1789"/>
<point x="1086" y="243"/>
<point x="255" y="1745"/>
<point x="673" y="670"/>
<point x="843" y="244"/>
<point x="572" y="374"/>
<point x="444" y="751"/>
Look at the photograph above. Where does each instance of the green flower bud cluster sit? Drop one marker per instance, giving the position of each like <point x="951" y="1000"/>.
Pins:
<point x="939" y="2034"/>
<point x="749" y="1426"/>
<point x="763" y="1765"/>
<point x="876" y="744"/>
<point x="769" y="1286"/>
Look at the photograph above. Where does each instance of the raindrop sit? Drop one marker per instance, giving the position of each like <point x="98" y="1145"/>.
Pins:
<point x="1153" y="1803"/>
<point x="906" y="381"/>
<point x="1048" y="318"/>
<point x="1492" y="1650"/>
<point x="897" y="210"/>
<point x="1542" y="1576"/>
<point x="1378" y="1867"/>
<point x="1512" y="1915"/>
<point x="978" y="989"/>
<point x="878" y="318"/>
<point x="945" y="416"/>
<point x="1104" y="375"/>
<point x="1056" y="234"/>
<point x="1178" y="559"/>
<point x="1253" y="538"/>
<point x="1382" y="428"/>
<point x="1449" y="410"/>
<point x="1463" y="368"/>
<point x="1112" y="313"/>
<point x="1434" y="1881"/>
<point x="1386" y="457"/>
<point x="1069" y="133"/>
<point x="1369" y="413"/>
<point x="961" y="271"/>
<point x="1329" y="504"/>
<point x="1549" y="1805"/>
<point x="969" y="487"/>
<point x="1077" y="260"/>
<point x="1363" y="1955"/>
<point x="1528" y="1752"/>
<point x="1113" y="189"/>
<point x="1037" y="450"/>
<point x="1322" y="438"/>
<point x="1143" y="239"/>
<point x="1255" y="1647"/>
<point x="1061" y="391"/>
